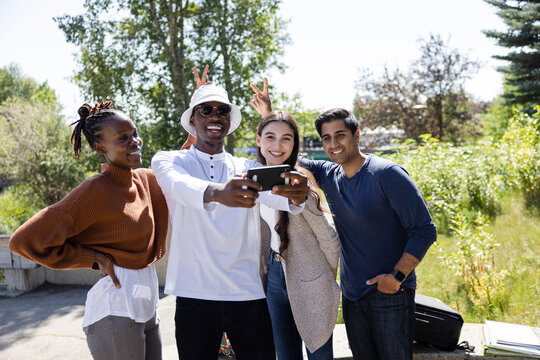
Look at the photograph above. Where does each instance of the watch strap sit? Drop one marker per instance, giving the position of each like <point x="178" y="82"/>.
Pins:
<point x="398" y="275"/>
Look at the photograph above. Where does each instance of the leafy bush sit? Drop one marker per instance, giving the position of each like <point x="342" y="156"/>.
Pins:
<point x="35" y="152"/>
<point x="14" y="210"/>
<point x="474" y="262"/>
<point x="518" y="233"/>
<point x="519" y="148"/>
<point x="463" y="188"/>
<point x="469" y="179"/>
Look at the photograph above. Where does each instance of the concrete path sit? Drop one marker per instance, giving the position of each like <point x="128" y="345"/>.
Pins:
<point x="45" y="324"/>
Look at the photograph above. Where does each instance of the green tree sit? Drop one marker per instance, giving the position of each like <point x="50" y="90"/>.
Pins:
<point x="239" y="39"/>
<point x="137" y="59"/>
<point x="35" y="152"/>
<point x="142" y="59"/>
<point x="13" y="84"/>
<point x="522" y="74"/>
<point x="35" y="156"/>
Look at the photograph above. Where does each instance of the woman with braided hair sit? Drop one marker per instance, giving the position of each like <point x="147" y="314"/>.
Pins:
<point x="116" y="221"/>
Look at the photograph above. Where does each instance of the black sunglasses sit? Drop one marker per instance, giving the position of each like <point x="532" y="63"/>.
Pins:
<point x="207" y="110"/>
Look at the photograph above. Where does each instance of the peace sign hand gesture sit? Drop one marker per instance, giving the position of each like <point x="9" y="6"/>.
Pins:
<point x="200" y="81"/>
<point x="261" y="100"/>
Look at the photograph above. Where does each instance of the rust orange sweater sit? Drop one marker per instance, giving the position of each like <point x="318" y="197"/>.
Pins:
<point x="121" y="213"/>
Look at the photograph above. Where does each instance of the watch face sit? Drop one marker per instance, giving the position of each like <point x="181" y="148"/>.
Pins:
<point x="398" y="275"/>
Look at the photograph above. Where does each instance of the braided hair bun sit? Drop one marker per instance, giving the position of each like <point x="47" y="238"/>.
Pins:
<point x="90" y="123"/>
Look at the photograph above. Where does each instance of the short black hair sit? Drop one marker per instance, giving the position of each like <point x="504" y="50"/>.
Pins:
<point x="337" y="114"/>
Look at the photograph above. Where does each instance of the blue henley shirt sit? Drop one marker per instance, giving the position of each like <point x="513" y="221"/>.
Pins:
<point x="379" y="214"/>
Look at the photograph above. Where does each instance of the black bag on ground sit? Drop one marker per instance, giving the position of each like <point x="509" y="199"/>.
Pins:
<point x="436" y="323"/>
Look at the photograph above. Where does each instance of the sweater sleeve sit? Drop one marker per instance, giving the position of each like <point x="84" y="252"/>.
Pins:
<point x="325" y="233"/>
<point x="46" y="239"/>
<point x="406" y="200"/>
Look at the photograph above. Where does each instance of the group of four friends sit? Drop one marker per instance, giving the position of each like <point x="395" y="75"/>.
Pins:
<point x="258" y="265"/>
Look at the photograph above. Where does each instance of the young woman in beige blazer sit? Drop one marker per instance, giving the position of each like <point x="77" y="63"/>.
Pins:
<point x="299" y="256"/>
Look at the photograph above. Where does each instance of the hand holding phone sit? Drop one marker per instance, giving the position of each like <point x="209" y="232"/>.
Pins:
<point x="269" y="176"/>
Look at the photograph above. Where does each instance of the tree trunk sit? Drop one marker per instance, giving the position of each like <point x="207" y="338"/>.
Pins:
<point x="439" y="114"/>
<point x="224" y="49"/>
<point x="175" y="53"/>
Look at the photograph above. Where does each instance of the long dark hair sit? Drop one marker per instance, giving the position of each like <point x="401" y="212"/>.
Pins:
<point x="282" y="225"/>
<point x="90" y="123"/>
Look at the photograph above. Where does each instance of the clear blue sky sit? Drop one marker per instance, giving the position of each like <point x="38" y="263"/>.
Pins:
<point x="331" y="41"/>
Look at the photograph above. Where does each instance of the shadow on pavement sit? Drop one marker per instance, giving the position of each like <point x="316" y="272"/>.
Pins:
<point x="22" y="316"/>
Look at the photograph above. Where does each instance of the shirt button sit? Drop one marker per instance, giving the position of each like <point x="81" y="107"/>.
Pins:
<point x="211" y="177"/>
<point x="212" y="166"/>
<point x="211" y="158"/>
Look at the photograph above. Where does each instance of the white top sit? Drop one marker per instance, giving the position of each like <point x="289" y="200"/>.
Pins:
<point x="214" y="251"/>
<point x="270" y="216"/>
<point x="136" y="299"/>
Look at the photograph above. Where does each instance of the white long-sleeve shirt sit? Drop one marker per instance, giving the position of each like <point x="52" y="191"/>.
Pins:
<point x="214" y="252"/>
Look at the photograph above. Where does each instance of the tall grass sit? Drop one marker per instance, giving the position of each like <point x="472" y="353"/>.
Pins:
<point x="517" y="230"/>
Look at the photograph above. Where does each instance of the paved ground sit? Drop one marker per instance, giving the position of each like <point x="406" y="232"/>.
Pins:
<point x="45" y="324"/>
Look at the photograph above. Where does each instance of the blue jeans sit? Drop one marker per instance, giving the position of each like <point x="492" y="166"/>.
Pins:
<point x="381" y="326"/>
<point x="286" y="337"/>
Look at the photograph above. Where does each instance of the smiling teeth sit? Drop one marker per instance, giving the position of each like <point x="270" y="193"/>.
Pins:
<point x="337" y="152"/>
<point x="213" y="127"/>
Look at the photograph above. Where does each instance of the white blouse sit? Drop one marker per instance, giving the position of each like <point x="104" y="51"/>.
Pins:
<point x="136" y="299"/>
<point x="270" y="216"/>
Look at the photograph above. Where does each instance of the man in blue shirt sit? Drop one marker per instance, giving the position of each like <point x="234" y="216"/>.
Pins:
<point x="384" y="228"/>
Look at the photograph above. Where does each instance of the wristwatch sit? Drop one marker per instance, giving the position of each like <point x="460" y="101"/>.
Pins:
<point x="398" y="275"/>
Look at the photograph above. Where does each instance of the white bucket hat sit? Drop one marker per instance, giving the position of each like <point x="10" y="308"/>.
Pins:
<point x="207" y="93"/>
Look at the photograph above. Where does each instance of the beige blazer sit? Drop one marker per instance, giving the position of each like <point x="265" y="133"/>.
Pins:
<point x="313" y="293"/>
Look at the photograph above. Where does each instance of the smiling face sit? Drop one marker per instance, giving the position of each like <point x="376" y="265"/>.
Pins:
<point x="211" y="130"/>
<point x="119" y="142"/>
<point x="339" y="143"/>
<point x="276" y="142"/>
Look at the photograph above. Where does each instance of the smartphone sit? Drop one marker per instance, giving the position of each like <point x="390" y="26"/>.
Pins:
<point x="268" y="176"/>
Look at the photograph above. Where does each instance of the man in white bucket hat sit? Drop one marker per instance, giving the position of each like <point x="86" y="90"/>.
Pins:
<point x="214" y="262"/>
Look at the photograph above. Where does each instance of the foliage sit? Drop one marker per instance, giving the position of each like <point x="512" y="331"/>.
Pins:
<point x="522" y="74"/>
<point x="518" y="232"/>
<point x="14" y="210"/>
<point x="13" y="84"/>
<point x="469" y="179"/>
<point x="428" y="98"/>
<point x="240" y="40"/>
<point x="35" y="151"/>
<point x="495" y="119"/>
<point x="464" y="187"/>
<point x="305" y="118"/>
<point x="142" y="58"/>
<point x="474" y="262"/>
<point x="521" y="144"/>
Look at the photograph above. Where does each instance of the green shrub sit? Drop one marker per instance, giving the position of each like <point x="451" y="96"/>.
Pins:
<point x="464" y="188"/>
<point x="15" y="209"/>
<point x="473" y="261"/>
